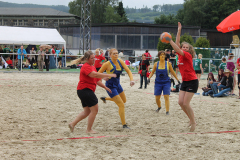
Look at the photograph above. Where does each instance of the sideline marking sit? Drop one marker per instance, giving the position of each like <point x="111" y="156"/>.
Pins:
<point x="117" y="136"/>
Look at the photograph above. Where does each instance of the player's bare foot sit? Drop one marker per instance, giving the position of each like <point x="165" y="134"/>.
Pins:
<point x="193" y="126"/>
<point x="71" y="127"/>
<point x="91" y="132"/>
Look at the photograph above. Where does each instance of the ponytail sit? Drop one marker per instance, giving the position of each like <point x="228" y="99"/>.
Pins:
<point x="82" y="59"/>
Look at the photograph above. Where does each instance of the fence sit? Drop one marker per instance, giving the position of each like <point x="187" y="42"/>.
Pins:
<point x="208" y="64"/>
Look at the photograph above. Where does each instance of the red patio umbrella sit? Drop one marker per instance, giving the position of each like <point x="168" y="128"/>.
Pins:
<point x="231" y="23"/>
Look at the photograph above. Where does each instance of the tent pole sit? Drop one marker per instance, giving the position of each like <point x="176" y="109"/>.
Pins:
<point x="21" y="62"/>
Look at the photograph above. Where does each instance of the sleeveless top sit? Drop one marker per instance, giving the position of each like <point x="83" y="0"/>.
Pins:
<point x="162" y="74"/>
<point x="114" y="82"/>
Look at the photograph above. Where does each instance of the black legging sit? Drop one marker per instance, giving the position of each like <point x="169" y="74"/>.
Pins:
<point x="47" y="64"/>
<point x="141" y="81"/>
<point x="31" y="62"/>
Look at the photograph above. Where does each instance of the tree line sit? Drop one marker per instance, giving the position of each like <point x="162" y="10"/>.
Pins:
<point x="205" y="13"/>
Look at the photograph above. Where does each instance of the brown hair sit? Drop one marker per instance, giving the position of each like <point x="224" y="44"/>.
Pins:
<point x="190" y="49"/>
<point x="160" y="52"/>
<point x="230" y="55"/>
<point x="83" y="58"/>
<point x="144" y="54"/>
<point x="224" y="59"/>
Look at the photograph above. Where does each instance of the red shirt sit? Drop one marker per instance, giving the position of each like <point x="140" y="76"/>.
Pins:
<point x="9" y="62"/>
<point x="98" y="59"/>
<point x="148" y="56"/>
<point x="238" y="62"/>
<point x="185" y="65"/>
<point x="53" y="51"/>
<point x="85" y="80"/>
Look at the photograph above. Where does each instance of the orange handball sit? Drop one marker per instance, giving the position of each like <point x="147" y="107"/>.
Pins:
<point x="165" y="37"/>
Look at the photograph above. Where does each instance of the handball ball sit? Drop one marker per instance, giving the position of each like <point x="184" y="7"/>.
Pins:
<point x="165" y="37"/>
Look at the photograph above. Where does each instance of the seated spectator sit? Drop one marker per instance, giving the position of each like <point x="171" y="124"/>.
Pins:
<point x="1" y="62"/>
<point x="9" y="62"/>
<point x="220" y="76"/>
<point x="225" y="86"/>
<point x="208" y="90"/>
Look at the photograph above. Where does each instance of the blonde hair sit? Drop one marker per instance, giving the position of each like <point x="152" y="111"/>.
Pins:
<point x="97" y="50"/>
<point x="82" y="59"/>
<point x="199" y="56"/>
<point x="101" y="50"/>
<point x="111" y="50"/>
<point x="190" y="49"/>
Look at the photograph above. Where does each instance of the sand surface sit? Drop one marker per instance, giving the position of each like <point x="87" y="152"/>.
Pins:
<point x="40" y="106"/>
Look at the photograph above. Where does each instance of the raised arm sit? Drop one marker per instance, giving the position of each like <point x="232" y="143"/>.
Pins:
<point x="172" y="71"/>
<point x="176" y="48"/>
<point x="178" y="34"/>
<point x="153" y="70"/>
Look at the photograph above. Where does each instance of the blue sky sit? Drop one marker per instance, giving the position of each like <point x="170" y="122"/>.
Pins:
<point x="129" y="3"/>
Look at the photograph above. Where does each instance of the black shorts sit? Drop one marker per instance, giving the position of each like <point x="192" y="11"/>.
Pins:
<point x="59" y="59"/>
<point x="198" y="71"/>
<point x="87" y="97"/>
<point x="97" y="69"/>
<point x="190" y="86"/>
<point x="238" y="80"/>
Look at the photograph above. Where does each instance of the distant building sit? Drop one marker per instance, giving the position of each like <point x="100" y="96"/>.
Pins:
<point x="36" y="17"/>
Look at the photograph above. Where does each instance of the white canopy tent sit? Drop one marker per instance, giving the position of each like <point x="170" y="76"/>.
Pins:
<point x="33" y="36"/>
<point x="26" y="36"/>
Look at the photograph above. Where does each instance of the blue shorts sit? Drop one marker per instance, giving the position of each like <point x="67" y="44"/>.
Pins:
<point x="165" y="87"/>
<point x="115" y="91"/>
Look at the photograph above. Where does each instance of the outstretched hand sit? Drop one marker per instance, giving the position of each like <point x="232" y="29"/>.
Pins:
<point x="132" y="83"/>
<point x="179" y="25"/>
<point x="109" y="90"/>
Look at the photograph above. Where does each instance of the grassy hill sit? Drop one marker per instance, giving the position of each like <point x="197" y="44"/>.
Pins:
<point x="16" y="5"/>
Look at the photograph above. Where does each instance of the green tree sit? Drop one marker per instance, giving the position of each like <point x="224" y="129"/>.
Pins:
<point x="121" y="12"/>
<point x="98" y="8"/>
<point x="111" y="16"/>
<point x="204" y="43"/>
<point x="187" y="38"/>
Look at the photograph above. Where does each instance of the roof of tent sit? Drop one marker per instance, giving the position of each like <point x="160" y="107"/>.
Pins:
<point x="26" y="36"/>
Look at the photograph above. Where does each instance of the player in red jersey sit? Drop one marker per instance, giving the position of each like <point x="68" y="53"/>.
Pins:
<point x="189" y="85"/>
<point x="89" y="78"/>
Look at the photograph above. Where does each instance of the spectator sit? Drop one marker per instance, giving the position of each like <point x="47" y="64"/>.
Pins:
<point x="46" y="59"/>
<point x="6" y="50"/>
<point x="143" y="69"/>
<point x="226" y="84"/>
<point x="148" y="55"/>
<point x="98" y="60"/>
<point x="231" y="67"/>
<point x="208" y="90"/>
<point x="176" y="66"/>
<point x="223" y="64"/>
<point x="225" y="56"/>
<point x="21" y="52"/>
<point x="206" y="68"/>
<point x="40" y="59"/>
<point x="167" y="58"/>
<point x="107" y="54"/>
<point x="121" y="55"/>
<point x="238" y="71"/>
<point x="220" y="76"/>
<point x="1" y="63"/>
<point x="173" y="58"/>
<point x="9" y="62"/>
<point x="15" y="50"/>
<point x="1" y="50"/>
<point x="32" y="57"/>
<point x="198" y="67"/>
<point x="63" y="56"/>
